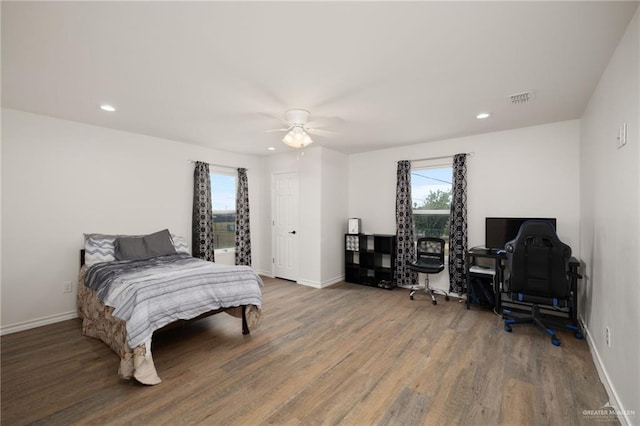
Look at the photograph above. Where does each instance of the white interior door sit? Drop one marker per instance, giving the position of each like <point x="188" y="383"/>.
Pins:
<point x="285" y="225"/>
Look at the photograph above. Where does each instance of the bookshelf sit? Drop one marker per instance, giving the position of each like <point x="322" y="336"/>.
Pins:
<point x="369" y="258"/>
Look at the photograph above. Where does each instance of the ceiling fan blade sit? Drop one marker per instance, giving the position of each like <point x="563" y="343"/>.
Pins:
<point x="321" y="132"/>
<point x="326" y="122"/>
<point x="273" y="117"/>
<point x="277" y="130"/>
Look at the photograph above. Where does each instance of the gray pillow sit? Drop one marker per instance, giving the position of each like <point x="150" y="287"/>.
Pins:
<point x="159" y="243"/>
<point x="137" y="248"/>
<point x="130" y="248"/>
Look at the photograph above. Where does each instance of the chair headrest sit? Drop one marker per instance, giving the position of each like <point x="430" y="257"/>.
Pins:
<point x="537" y="233"/>
<point x="430" y="245"/>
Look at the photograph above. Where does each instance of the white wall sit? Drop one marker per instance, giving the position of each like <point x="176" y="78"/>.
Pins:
<point x="334" y="204"/>
<point x="610" y="222"/>
<point x="528" y="172"/>
<point x="61" y="179"/>
<point x="310" y="217"/>
<point x="0" y="220"/>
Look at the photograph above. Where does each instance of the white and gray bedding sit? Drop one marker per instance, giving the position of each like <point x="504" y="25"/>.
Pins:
<point x="148" y="294"/>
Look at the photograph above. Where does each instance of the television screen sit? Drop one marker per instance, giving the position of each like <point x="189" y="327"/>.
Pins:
<point x="500" y="230"/>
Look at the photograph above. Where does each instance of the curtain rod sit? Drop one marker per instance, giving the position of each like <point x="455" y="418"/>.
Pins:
<point x="216" y="165"/>
<point x="469" y="154"/>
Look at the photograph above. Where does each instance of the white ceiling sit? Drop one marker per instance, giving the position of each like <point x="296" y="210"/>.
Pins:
<point x="211" y="73"/>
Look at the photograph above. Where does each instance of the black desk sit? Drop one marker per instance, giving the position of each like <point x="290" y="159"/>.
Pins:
<point x="497" y="272"/>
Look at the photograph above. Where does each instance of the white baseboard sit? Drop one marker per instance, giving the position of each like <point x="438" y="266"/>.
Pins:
<point x="323" y="284"/>
<point x="332" y="281"/>
<point x="308" y="283"/>
<point x="614" y="400"/>
<point x="266" y="273"/>
<point x="38" y="322"/>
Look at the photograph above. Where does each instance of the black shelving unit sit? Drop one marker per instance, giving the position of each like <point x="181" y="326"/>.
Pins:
<point x="369" y="258"/>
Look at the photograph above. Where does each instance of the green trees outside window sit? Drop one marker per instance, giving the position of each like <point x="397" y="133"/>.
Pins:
<point x="431" y="196"/>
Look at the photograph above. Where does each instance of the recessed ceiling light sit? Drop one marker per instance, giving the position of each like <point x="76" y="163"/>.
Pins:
<point x="483" y="115"/>
<point x="271" y="148"/>
<point x="107" y="107"/>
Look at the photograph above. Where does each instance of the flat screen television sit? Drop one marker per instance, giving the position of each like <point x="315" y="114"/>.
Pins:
<point x="500" y="230"/>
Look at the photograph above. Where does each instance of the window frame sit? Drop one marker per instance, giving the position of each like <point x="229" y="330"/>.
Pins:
<point x="224" y="172"/>
<point x="431" y="165"/>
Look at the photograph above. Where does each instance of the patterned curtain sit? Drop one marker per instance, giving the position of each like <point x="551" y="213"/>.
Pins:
<point x="405" y="249"/>
<point x="202" y="220"/>
<point x="458" y="227"/>
<point x="243" y="234"/>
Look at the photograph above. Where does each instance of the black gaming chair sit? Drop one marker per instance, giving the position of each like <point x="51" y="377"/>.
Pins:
<point x="430" y="260"/>
<point x="538" y="273"/>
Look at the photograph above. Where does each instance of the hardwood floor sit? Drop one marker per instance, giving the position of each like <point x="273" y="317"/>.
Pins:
<point x="342" y="355"/>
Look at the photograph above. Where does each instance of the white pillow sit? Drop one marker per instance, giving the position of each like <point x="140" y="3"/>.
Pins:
<point x="98" y="248"/>
<point x="180" y="244"/>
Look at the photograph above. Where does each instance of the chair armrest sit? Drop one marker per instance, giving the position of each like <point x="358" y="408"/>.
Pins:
<point x="574" y="275"/>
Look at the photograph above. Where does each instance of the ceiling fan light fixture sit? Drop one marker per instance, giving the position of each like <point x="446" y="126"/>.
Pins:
<point x="297" y="138"/>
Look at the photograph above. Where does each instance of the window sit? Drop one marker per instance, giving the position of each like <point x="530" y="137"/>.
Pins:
<point x="223" y="202"/>
<point x="431" y="197"/>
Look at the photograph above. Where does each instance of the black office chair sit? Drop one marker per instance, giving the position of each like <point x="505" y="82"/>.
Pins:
<point x="538" y="273"/>
<point x="430" y="260"/>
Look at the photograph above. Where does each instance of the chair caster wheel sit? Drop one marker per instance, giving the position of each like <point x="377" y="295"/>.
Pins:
<point x="446" y="298"/>
<point x="555" y="342"/>
<point x="508" y="328"/>
<point x="434" y="302"/>
<point x="410" y="297"/>
<point x="579" y="335"/>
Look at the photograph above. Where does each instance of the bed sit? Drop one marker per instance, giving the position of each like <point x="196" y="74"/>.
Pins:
<point x="123" y="301"/>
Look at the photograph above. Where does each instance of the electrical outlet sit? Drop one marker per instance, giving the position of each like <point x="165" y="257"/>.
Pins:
<point x="607" y="336"/>
<point x="67" y="287"/>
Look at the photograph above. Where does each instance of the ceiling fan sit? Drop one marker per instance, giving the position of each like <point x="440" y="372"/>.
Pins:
<point x="299" y="128"/>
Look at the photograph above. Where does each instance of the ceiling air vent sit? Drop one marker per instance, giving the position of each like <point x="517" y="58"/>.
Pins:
<point x="523" y="97"/>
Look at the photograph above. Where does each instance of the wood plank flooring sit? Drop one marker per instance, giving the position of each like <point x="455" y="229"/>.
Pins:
<point x="342" y="355"/>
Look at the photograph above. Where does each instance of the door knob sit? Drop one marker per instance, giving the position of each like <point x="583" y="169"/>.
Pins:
<point x="292" y="232"/>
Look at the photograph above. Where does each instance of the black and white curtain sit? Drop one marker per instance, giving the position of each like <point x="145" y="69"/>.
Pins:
<point x="202" y="221"/>
<point x="243" y="233"/>
<point x="405" y="249"/>
<point x="458" y="227"/>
